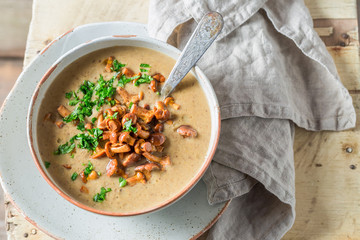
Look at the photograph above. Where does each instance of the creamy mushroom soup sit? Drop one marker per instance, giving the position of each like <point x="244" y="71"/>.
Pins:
<point x="85" y="139"/>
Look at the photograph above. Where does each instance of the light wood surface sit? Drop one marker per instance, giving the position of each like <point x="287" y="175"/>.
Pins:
<point x="327" y="163"/>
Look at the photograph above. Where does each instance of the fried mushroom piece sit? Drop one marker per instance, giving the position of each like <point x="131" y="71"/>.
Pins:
<point x="146" y="169"/>
<point x="142" y="113"/>
<point x="112" y="167"/>
<point x="169" y="101"/>
<point x="98" y="153"/>
<point x="127" y="72"/>
<point x="127" y="117"/>
<point x="142" y="146"/>
<point x="142" y="133"/>
<point x="186" y="131"/>
<point x="59" y="124"/>
<point x="157" y="139"/>
<point x="127" y="97"/>
<point x="131" y="159"/>
<point x="126" y="138"/>
<point x="160" y="112"/>
<point x="109" y="63"/>
<point x="120" y="148"/>
<point x="63" y="111"/>
<point x="158" y="77"/>
<point x="113" y="125"/>
<point x="163" y="161"/>
<point x="139" y="177"/>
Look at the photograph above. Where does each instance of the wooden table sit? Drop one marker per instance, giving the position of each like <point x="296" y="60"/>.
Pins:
<point x="327" y="163"/>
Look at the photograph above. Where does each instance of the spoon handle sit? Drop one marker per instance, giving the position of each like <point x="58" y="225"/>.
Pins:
<point x="205" y="33"/>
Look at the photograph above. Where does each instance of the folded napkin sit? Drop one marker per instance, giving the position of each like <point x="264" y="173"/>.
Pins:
<point x="270" y="71"/>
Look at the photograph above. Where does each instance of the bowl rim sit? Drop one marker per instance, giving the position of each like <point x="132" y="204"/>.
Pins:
<point x="168" y="202"/>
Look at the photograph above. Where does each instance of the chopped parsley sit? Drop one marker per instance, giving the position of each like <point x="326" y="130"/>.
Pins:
<point x="105" y="91"/>
<point x="100" y="197"/>
<point x="88" y="169"/>
<point x="145" y="65"/>
<point x="122" y="182"/>
<point x="123" y="80"/>
<point x="114" y="116"/>
<point x="158" y="93"/>
<point x="81" y="126"/>
<point x="85" y="105"/>
<point x="96" y="132"/>
<point x="93" y="119"/>
<point x="64" y="148"/>
<point x="143" y="79"/>
<point x="128" y="128"/>
<point x="130" y="105"/>
<point x="117" y="66"/>
<point x="71" y="94"/>
<point x="47" y="164"/>
<point x="87" y="141"/>
<point x="74" y="176"/>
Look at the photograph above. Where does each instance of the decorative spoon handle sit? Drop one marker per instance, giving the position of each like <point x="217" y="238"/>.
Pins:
<point x="205" y="33"/>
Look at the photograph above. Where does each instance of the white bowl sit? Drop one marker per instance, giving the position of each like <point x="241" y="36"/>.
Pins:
<point x="102" y="43"/>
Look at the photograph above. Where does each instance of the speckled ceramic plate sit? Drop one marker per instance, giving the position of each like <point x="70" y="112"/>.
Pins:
<point x="42" y="206"/>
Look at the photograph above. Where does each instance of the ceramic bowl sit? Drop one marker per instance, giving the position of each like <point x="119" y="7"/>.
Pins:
<point x="95" y="45"/>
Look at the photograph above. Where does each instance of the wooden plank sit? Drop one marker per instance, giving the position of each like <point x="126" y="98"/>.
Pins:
<point x="14" y="22"/>
<point x="327" y="189"/>
<point x="70" y="14"/>
<point x="325" y="31"/>
<point x="342" y="34"/>
<point x="327" y="183"/>
<point x="320" y="9"/>
<point x="348" y="65"/>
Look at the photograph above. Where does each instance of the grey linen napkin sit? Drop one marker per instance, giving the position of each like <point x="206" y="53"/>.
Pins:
<point x="270" y="71"/>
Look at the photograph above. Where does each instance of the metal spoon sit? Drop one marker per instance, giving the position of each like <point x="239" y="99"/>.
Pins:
<point x="204" y="35"/>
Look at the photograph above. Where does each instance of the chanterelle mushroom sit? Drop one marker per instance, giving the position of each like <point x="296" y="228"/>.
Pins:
<point x="145" y="115"/>
<point x="63" y="111"/>
<point x="163" y="161"/>
<point x="147" y="168"/>
<point x="127" y="97"/>
<point x="186" y="131"/>
<point x="138" y="177"/>
<point x="131" y="159"/>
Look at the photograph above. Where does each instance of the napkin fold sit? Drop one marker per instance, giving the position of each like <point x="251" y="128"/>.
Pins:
<point x="270" y="71"/>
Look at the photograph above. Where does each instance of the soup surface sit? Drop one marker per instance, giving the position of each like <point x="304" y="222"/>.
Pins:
<point x="187" y="154"/>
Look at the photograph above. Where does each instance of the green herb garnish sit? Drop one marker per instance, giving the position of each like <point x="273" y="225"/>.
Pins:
<point x="88" y="169"/>
<point x="128" y="128"/>
<point x="84" y="109"/>
<point x="68" y="95"/>
<point x="86" y="141"/>
<point x="122" y="182"/>
<point x="143" y="79"/>
<point x="74" y="176"/>
<point x="100" y="197"/>
<point x="145" y="65"/>
<point x="130" y="105"/>
<point x="114" y="116"/>
<point x="117" y="66"/>
<point x="104" y="90"/>
<point x="81" y="126"/>
<point x="47" y="164"/>
<point x="123" y="80"/>
<point x="65" y="148"/>
<point x="158" y="93"/>
<point x="93" y="120"/>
